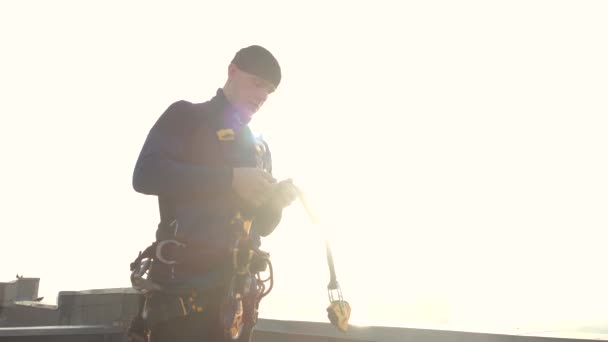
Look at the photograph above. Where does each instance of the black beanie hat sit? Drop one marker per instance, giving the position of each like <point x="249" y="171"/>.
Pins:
<point x="257" y="60"/>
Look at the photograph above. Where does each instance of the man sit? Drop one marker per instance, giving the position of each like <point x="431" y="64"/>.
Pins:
<point x="214" y="186"/>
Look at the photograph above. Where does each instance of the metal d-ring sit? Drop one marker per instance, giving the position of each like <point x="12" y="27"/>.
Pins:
<point x="160" y="246"/>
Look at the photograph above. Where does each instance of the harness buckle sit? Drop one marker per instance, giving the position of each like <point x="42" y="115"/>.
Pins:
<point x="141" y="283"/>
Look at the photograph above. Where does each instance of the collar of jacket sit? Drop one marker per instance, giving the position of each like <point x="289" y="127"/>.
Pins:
<point x="232" y="118"/>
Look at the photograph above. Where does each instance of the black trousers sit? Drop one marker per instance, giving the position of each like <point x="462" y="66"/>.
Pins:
<point x="199" y="327"/>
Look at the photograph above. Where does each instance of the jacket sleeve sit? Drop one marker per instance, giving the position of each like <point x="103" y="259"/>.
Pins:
<point x="162" y="168"/>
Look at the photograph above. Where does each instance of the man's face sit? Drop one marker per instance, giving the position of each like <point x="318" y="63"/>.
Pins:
<point x="249" y="91"/>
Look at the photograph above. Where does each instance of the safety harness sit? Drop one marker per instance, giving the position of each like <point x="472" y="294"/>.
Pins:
<point x="246" y="288"/>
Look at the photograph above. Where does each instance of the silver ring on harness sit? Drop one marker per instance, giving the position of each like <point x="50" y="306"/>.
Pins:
<point x="159" y="248"/>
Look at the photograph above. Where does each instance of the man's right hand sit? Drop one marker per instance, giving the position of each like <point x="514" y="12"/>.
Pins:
<point x="251" y="184"/>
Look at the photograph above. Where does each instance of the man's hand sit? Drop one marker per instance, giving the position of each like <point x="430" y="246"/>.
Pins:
<point x="251" y="184"/>
<point x="283" y="194"/>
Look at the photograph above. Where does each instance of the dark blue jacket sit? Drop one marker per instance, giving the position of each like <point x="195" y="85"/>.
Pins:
<point x="187" y="161"/>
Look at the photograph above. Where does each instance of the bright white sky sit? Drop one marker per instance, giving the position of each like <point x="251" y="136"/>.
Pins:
<point x="454" y="150"/>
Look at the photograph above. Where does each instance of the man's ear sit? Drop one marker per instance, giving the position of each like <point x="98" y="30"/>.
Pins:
<point x="232" y="70"/>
